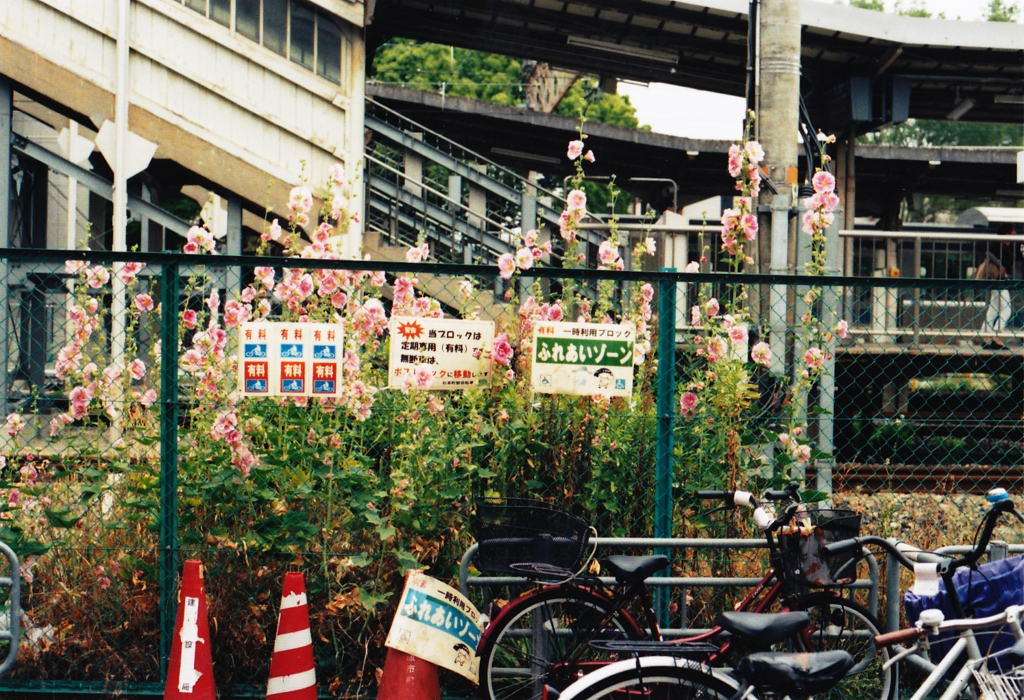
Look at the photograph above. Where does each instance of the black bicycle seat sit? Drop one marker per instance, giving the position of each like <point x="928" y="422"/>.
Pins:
<point x="630" y="570"/>
<point x="795" y="674"/>
<point x="763" y="629"/>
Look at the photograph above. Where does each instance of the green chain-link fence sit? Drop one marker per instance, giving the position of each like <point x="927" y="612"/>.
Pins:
<point x="127" y="449"/>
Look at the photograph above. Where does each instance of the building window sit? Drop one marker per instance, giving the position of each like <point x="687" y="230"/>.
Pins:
<point x="289" y="28"/>
<point x="303" y="26"/>
<point x="247" y="18"/>
<point x="275" y="26"/>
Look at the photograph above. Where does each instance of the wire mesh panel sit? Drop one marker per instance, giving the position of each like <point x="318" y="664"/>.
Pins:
<point x="129" y="445"/>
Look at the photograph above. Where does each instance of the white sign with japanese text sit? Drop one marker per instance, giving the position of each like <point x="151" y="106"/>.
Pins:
<point x="583" y="359"/>
<point x="436" y="623"/>
<point x="290" y="359"/>
<point x="439" y="353"/>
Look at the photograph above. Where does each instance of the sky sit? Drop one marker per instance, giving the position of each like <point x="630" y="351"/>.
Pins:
<point x="682" y="111"/>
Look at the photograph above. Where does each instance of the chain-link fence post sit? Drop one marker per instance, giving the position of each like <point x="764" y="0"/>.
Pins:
<point x="168" y="461"/>
<point x="666" y="421"/>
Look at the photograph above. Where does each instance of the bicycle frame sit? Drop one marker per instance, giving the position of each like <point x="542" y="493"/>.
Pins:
<point x="966" y="644"/>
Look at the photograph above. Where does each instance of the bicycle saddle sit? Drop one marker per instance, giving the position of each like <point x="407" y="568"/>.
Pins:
<point x="795" y="674"/>
<point x="763" y="629"/>
<point x="630" y="570"/>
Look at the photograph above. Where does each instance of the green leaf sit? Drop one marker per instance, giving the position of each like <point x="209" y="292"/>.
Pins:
<point x="61" y="517"/>
<point x="360" y="560"/>
<point x="406" y="561"/>
<point x="371" y="600"/>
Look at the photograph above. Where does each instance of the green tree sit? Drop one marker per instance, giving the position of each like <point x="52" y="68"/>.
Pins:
<point x="876" y="5"/>
<point x="1003" y="11"/>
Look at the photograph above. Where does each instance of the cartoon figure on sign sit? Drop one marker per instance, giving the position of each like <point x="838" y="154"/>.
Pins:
<point x="461" y="653"/>
<point x="604" y="378"/>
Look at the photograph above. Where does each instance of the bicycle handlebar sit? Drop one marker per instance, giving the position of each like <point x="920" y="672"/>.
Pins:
<point x="762" y="519"/>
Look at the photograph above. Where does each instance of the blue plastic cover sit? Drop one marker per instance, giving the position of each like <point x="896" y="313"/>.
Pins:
<point x="989" y="590"/>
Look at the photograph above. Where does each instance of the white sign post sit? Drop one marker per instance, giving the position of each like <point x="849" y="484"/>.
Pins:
<point x="583" y="359"/>
<point x="436" y="623"/>
<point x="446" y="353"/>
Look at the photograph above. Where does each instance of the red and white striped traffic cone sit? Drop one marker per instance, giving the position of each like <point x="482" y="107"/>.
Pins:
<point x="292" y="676"/>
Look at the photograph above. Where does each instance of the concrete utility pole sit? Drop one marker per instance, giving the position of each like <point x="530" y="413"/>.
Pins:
<point x="779" y="109"/>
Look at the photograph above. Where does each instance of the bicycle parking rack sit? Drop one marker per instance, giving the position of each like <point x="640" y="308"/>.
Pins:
<point x="13" y="612"/>
<point x="681" y="584"/>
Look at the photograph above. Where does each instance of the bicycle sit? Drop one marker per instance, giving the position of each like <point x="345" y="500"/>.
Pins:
<point x="768" y="674"/>
<point x="797" y="676"/>
<point x="544" y="636"/>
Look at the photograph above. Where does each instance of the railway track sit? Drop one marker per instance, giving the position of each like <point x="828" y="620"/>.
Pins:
<point x="932" y="478"/>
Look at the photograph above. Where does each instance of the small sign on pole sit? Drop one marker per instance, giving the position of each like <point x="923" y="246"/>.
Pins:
<point x="436" y="623"/>
<point x="583" y="359"/>
<point x="290" y="359"/>
<point x="439" y="353"/>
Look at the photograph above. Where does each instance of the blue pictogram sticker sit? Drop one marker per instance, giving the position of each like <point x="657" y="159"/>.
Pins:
<point x="255" y="384"/>
<point x="293" y="386"/>
<point x="255" y="350"/>
<point x="291" y="350"/>
<point x="324" y="352"/>
<point x="620" y="383"/>
<point x="323" y="386"/>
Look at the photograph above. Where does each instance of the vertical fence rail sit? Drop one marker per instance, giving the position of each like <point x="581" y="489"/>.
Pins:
<point x="168" y="462"/>
<point x="666" y="421"/>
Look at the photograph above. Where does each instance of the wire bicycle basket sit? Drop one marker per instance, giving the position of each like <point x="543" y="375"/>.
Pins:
<point x="519" y="535"/>
<point x="803" y="560"/>
<point x="1000" y="686"/>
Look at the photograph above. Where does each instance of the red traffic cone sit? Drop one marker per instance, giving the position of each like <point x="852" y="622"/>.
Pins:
<point x="408" y="677"/>
<point x="292" y="676"/>
<point x="190" y="674"/>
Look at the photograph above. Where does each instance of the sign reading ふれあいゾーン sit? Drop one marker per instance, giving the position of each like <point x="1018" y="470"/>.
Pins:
<point x="289" y="359"/>
<point x="583" y="359"/>
<point x="437" y="623"/>
<point x="439" y="353"/>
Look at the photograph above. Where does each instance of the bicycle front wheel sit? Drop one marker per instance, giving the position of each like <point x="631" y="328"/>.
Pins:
<point x="544" y="638"/>
<point x="658" y="678"/>
<point x="838" y="623"/>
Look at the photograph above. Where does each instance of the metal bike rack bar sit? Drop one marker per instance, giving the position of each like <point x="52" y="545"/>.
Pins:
<point x="13" y="631"/>
<point x="683" y="583"/>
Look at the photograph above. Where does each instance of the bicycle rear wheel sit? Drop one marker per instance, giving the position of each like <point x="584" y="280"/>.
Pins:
<point x="544" y="638"/>
<point x="659" y="679"/>
<point x="838" y="623"/>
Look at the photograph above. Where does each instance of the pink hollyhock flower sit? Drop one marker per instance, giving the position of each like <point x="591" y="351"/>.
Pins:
<point x="28" y="473"/>
<point x="784" y="439"/>
<point x="15" y="424"/>
<point x="748" y="224"/>
<point x="189" y="318"/>
<point x="524" y="259"/>
<point x="842" y="328"/>
<point x="501" y="350"/>
<point x="814" y="358"/>
<point x="565" y="228"/>
<point x="738" y="334"/>
<point x="414" y="254"/>
<point x="465" y="289"/>
<point x="97" y="276"/>
<point x="137" y="369"/>
<point x="190" y="248"/>
<point x="144" y="302"/>
<point x="761" y="354"/>
<point x="337" y="174"/>
<point x="735" y="164"/>
<point x="423" y="376"/>
<point x="688" y="403"/>
<point x="14" y="498"/>
<point x="576" y="201"/>
<point x="248" y="294"/>
<point x="302" y="220"/>
<point x="647" y="291"/>
<point x="129" y="271"/>
<point x="555" y="313"/>
<point x="275" y="230"/>
<point x="692" y="267"/>
<point x="148" y="398"/>
<point x="607" y="252"/>
<point x="590" y="158"/>
<point x="823" y="181"/>
<point x="754" y="151"/>
<point x="695" y="319"/>
<point x="213" y="301"/>
<point x="575" y="149"/>
<point x="75" y="266"/>
<point x="711" y="307"/>
<point x="265" y="275"/>
<point x="716" y="348"/>
<point x="530" y="238"/>
<point x="300" y="199"/>
<point x="92" y="306"/>
<point x="506" y="265"/>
